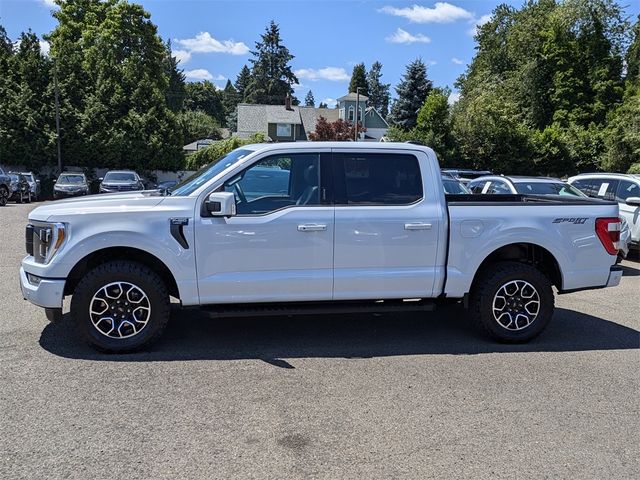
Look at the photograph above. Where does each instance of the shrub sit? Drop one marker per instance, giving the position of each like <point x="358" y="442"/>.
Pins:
<point x="219" y="149"/>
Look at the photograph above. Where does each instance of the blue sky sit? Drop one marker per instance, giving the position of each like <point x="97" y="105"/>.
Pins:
<point x="213" y="37"/>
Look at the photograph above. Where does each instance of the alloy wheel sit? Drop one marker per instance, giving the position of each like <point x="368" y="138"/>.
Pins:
<point x="120" y="310"/>
<point x="516" y="305"/>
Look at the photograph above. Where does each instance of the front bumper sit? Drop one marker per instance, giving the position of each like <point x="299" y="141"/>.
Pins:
<point x="68" y="193"/>
<point x="49" y="293"/>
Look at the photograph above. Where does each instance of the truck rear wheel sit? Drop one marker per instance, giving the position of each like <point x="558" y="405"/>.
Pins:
<point x="4" y="195"/>
<point x="120" y="306"/>
<point x="512" y="302"/>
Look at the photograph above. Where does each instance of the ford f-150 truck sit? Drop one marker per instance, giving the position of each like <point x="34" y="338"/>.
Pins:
<point x="314" y="227"/>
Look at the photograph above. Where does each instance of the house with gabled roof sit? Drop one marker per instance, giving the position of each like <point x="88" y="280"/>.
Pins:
<point x="292" y="123"/>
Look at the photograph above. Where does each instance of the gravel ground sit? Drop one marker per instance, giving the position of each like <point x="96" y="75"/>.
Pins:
<point x="368" y="396"/>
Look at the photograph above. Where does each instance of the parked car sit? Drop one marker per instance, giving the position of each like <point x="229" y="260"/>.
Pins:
<point x="19" y="190"/>
<point x="5" y="188"/>
<point x="619" y="187"/>
<point x="70" y="184"/>
<point x="453" y="186"/>
<point x="120" y="181"/>
<point x="465" y="175"/>
<point x="34" y="184"/>
<point x="166" y="186"/>
<point x="500" y="184"/>
<point x="356" y="227"/>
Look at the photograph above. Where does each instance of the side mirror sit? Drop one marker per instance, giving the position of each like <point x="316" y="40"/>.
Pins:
<point x="55" y="181"/>
<point x="633" y="201"/>
<point x="38" y="182"/>
<point x="221" y="204"/>
<point x="100" y="179"/>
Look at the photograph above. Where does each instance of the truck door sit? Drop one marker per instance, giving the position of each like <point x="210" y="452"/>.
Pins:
<point x="387" y="226"/>
<point x="279" y="245"/>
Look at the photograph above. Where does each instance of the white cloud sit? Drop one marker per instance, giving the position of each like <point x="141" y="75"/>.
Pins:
<point x="431" y="63"/>
<point x="205" y="43"/>
<point x="402" y="36"/>
<point x="331" y="102"/>
<point x="334" y="74"/>
<point x="182" y="56"/>
<point x="44" y="47"/>
<point x="457" y="61"/>
<point x="478" y="22"/>
<point x="198" y="74"/>
<point x="453" y="97"/>
<point x="298" y="86"/>
<point x="49" y="3"/>
<point x="442" y="12"/>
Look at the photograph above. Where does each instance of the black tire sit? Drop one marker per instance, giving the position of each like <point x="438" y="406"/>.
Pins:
<point x="485" y="296"/>
<point x="127" y="272"/>
<point x="4" y="195"/>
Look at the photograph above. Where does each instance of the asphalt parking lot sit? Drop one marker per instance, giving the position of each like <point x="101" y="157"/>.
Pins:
<point x="385" y="396"/>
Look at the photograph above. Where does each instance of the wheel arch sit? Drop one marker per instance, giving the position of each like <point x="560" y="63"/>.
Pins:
<point x="528" y="253"/>
<point x="104" y="255"/>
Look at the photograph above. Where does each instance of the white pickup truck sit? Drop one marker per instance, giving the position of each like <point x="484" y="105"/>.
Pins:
<point x="314" y="227"/>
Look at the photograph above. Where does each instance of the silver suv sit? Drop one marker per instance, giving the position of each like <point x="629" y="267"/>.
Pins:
<point x="620" y="187"/>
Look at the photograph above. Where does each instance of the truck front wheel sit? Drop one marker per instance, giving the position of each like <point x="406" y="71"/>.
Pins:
<point x="120" y="306"/>
<point x="512" y="302"/>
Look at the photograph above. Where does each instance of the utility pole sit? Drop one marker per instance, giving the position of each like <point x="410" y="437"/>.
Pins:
<point x="355" y="139"/>
<point x="57" y="97"/>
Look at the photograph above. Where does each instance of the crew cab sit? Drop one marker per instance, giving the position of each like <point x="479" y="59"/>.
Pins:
<point x="334" y="227"/>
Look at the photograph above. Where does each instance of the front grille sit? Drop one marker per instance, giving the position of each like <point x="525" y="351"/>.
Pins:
<point x="28" y="237"/>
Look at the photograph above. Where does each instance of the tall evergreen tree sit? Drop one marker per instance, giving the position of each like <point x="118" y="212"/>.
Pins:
<point x="359" y="79"/>
<point x="230" y="98"/>
<point x="176" y="93"/>
<point x="378" y="91"/>
<point x="633" y="53"/>
<point x="126" y="119"/>
<point x="323" y="105"/>
<point x="271" y="75"/>
<point x="242" y="80"/>
<point x="412" y="92"/>
<point x="309" y="101"/>
<point x="26" y="125"/>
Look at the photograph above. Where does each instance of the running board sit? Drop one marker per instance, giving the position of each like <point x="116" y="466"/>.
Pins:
<point x="317" y="308"/>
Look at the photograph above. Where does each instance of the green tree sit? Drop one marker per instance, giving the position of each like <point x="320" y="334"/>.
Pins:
<point x="197" y="125"/>
<point x="378" y="91"/>
<point x="176" y="93"/>
<point x="230" y="98"/>
<point x="622" y="135"/>
<point x="271" y="75"/>
<point x="433" y="125"/>
<point x="412" y="92"/>
<point x="242" y="80"/>
<point x="126" y="121"/>
<point x="359" y="79"/>
<point x="205" y="96"/>
<point x="309" y="101"/>
<point x="27" y="114"/>
<point x="323" y="105"/>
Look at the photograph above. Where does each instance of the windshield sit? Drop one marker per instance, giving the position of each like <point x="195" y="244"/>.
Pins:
<point x="550" y="188"/>
<point x="119" y="177"/>
<point x="71" y="179"/>
<point x="453" y="186"/>
<point x="209" y="171"/>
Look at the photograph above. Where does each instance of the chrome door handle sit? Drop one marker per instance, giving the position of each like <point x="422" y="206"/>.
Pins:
<point x="417" y="226"/>
<point x="312" y="227"/>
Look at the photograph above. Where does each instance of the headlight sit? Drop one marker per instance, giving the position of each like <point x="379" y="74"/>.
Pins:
<point x="48" y="239"/>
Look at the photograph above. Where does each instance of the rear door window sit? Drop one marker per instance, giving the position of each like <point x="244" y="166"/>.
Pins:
<point x="377" y="179"/>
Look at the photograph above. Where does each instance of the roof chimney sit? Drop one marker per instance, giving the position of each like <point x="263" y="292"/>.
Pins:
<point x="287" y="102"/>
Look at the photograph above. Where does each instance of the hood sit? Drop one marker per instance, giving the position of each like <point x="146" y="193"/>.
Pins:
<point x="63" y="184"/>
<point x="106" y="203"/>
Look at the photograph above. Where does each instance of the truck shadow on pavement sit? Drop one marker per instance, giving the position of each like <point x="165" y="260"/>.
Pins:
<point x="192" y="335"/>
